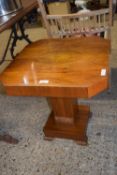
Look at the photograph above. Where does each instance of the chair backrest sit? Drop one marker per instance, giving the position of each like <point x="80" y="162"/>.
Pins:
<point x="96" y="22"/>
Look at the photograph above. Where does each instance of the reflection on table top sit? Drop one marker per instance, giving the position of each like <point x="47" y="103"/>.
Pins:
<point x="72" y="64"/>
<point x="8" y="20"/>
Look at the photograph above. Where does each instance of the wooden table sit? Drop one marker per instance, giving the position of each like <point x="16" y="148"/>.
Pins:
<point x="17" y="20"/>
<point x="61" y="70"/>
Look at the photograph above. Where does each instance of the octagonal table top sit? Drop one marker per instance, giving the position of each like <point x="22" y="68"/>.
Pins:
<point x="72" y="67"/>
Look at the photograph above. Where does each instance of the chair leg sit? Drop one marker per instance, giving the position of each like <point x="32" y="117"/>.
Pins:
<point x="8" y="139"/>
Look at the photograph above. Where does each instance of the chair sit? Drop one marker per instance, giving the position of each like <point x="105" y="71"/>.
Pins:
<point x="97" y="22"/>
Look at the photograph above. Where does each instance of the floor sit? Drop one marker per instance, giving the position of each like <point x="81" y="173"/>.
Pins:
<point x="24" y="118"/>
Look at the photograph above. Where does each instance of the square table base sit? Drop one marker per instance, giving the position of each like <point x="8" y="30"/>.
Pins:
<point x="71" y="127"/>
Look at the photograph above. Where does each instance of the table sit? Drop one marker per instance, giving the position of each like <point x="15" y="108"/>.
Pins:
<point x="61" y="70"/>
<point x="17" y="19"/>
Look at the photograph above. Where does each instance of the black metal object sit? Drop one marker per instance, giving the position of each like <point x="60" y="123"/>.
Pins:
<point x="16" y="36"/>
<point x="18" y="33"/>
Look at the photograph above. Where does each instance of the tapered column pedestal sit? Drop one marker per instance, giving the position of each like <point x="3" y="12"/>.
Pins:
<point x="67" y="120"/>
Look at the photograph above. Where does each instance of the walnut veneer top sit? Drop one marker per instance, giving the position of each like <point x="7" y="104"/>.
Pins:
<point x="60" y="68"/>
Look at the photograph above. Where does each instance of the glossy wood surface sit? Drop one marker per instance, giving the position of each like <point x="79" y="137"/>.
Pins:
<point x="67" y="120"/>
<point x="71" y="68"/>
<point x="8" y="20"/>
<point x="61" y="69"/>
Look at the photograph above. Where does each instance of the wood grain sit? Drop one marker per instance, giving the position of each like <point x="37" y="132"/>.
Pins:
<point x="63" y="70"/>
<point x="71" y="66"/>
<point x="74" y="129"/>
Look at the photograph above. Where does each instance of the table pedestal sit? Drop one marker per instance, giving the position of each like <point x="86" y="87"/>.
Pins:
<point x="67" y="120"/>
